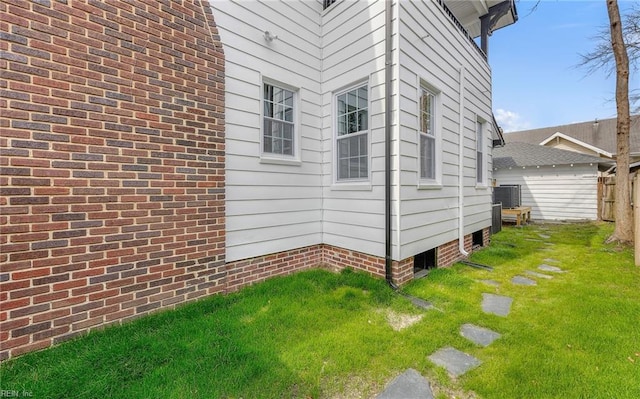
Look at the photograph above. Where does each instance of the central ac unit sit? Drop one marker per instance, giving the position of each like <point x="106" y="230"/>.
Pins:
<point x="509" y="196"/>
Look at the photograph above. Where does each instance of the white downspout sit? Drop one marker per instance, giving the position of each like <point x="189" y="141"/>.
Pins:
<point x="461" y="168"/>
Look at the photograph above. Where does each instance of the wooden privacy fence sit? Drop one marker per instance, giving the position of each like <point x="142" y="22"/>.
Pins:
<point x="606" y="204"/>
<point x="607" y="196"/>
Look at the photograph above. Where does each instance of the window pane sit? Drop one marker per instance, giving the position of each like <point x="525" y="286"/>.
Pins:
<point x="427" y="157"/>
<point x="343" y="169"/>
<point x="364" y="167"/>
<point x="287" y="131"/>
<point x="288" y="98"/>
<point x="352" y="102"/>
<point x="278" y="95"/>
<point x="362" y="97"/>
<point x="352" y="122"/>
<point x="267" y="147"/>
<point x="342" y="125"/>
<point x="268" y="109"/>
<point x="362" y="120"/>
<point x="278" y="129"/>
<point x="287" y="147"/>
<point x="288" y="114"/>
<point x="479" y="167"/>
<point x="363" y="148"/>
<point x="342" y="104"/>
<point x="268" y="92"/>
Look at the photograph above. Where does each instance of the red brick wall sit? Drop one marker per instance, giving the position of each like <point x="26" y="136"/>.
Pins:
<point x="255" y="270"/>
<point x="112" y="167"/>
<point x="449" y="253"/>
<point x="339" y="258"/>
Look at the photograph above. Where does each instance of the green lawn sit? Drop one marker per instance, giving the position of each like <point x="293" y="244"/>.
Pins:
<point x="324" y="335"/>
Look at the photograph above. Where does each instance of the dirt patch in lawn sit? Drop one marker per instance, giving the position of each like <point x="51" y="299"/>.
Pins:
<point x="400" y="321"/>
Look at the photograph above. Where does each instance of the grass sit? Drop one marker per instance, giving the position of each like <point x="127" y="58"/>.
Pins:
<point x="323" y="335"/>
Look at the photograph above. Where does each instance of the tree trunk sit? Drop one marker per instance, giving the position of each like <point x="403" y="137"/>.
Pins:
<point x="624" y="218"/>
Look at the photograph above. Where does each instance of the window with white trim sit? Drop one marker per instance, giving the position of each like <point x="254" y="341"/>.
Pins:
<point x="352" y="134"/>
<point x="428" y="135"/>
<point x="278" y="131"/>
<point x="480" y="153"/>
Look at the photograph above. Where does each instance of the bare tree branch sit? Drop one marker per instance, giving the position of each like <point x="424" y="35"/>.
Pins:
<point x="601" y="57"/>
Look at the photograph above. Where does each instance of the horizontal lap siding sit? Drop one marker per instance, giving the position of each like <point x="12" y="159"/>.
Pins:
<point x="560" y="193"/>
<point x="433" y="49"/>
<point x="353" y="51"/>
<point x="270" y="207"/>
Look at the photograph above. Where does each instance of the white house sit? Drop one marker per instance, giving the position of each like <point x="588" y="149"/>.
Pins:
<point x="308" y="128"/>
<point x="557" y="184"/>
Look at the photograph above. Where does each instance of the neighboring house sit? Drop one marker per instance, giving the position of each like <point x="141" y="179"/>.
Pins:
<point x="596" y="138"/>
<point x="154" y="152"/>
<point x="305" y="129"/>
<point x="556" y="184"/>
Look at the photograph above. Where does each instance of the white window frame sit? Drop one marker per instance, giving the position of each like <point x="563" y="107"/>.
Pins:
<point x="435" y="134"/>
<point x="273" y="157"/>
<point x="360" y="182"/>
<point x="481" y="154"/>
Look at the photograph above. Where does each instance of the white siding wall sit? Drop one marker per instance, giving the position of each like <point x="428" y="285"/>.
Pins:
<point x="274" y="207"/>
<point x="353" y="51"/>
<point x="560" y="193"/>
<point x="270" y="207"/>
<point x="433" y="50"/>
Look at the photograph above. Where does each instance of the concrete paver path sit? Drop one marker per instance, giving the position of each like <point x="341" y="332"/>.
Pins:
<point x="539" y="275"/>
<point x="408" y="385"/>
<point x="454" y="361"/>
<point x="548" y="268"/>
<point x="496" y="304"/>
<point x="479" y="335"/>
<point x="520" y="280"/>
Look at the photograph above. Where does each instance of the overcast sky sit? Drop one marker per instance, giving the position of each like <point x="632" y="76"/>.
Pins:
<point x="536" y="81"/>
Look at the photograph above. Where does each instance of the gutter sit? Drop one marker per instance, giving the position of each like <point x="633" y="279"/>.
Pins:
<point x="461" y="168"/>
<point x="388" y="64"/>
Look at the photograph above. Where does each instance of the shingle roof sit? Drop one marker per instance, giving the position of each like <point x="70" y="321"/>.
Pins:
<point x="602" y="135"/>
<point x="526" y="154"/>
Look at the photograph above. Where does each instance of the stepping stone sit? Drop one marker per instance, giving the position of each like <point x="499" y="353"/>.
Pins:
<point x="496" y="304"/>
<point x="410" y="385"/>
<point x="545" y="236"/>
<point x="490" y="282"/>
<point x="540" y="275"/>
<point x="533" y="239"/>
<point x="420" y="303"/>
<point x="550" y="260"/>
<point x="455" y="362"/>
<point x="548" y="268"/>
<point x="519" y="280"/>
<point x="479" y="335"/>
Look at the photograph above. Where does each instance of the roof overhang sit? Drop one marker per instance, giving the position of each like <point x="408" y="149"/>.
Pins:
<point x="563" y="136"/>
<point x="469" y="13"/>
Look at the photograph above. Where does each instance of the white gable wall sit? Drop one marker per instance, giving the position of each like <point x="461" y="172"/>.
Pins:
<point x="560" y="193"/>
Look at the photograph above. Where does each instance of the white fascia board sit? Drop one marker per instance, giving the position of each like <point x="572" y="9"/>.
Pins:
<point x="578" y="142"/>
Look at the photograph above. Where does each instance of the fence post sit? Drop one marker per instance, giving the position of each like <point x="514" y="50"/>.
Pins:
<point x="636" y="219"/>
